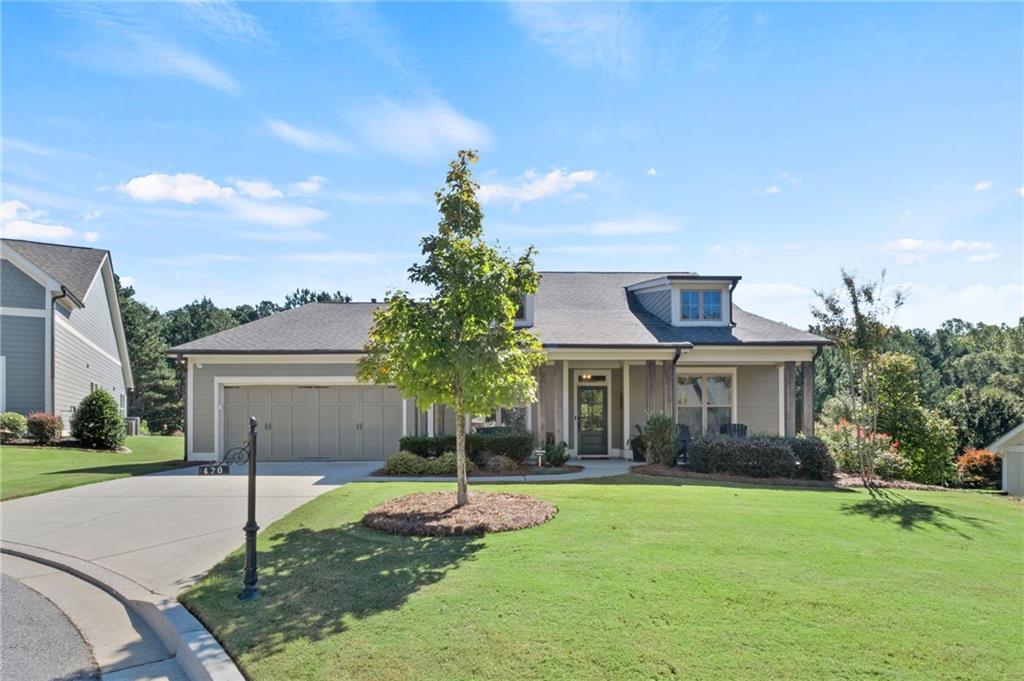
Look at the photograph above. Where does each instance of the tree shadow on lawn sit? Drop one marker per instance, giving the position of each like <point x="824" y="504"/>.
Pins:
<point x="909" y="514"/>
<point x="672" y="481"/>
<point x="129" y="468"/>
<point x="312" y="581"/>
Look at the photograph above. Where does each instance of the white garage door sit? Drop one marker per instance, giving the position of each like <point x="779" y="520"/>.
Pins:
<point x="315" y="422"/>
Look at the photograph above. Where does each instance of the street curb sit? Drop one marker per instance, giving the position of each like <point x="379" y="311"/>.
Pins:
<point x="195" y="649"/>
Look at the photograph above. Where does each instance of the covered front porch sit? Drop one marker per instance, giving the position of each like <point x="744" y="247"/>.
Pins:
<point x="595" y="400"/>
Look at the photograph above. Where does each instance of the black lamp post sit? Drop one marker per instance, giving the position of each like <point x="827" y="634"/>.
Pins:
<point x="250" y="592"/>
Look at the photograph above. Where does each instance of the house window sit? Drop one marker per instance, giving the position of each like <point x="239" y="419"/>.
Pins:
<point x="704" y="403"/>
<point x="697" y="305"/>
<point x="521" y="309"/>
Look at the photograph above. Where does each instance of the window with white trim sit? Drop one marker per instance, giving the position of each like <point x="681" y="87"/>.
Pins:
<point x="696" y="305"/>
<point x="704" y="402"/>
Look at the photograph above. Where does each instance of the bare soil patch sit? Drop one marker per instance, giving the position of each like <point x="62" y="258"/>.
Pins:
<point x="436" y="514"/>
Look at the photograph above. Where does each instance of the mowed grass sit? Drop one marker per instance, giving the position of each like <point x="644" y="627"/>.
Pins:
<point x="33" y="470"/>
<point x="638" y="578"/>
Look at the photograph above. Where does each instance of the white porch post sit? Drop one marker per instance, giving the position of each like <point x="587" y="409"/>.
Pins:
<point x="430" y="420"/>
<point x="625" y="410"/>
<point x="405" y="417"/>
<point x="566" y="389"/>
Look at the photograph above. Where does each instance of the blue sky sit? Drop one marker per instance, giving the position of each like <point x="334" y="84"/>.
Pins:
<point x="241" y="151"/>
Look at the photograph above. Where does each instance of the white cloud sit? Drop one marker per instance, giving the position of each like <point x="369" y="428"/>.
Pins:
<point x="651" y="172"/>
<point x="605" y="36"/>
<point x="774" y="189"/>
<point x="983" y="186"/>
<point x="278" y="214"/>
<point x="170" y="60"/>
<point x="1020" y="191"/>
<point x="17" y="221"/>
<point x="222" y="20"/>
<point x="311" y="185"/>
<point x="928" y="305"/>
<point x="258" y="189"/>
<point x="532" y="186"/>
<point x="629" y="227"/>
<point x="310" y="140"/>
<point x="916" y="251"/>
<point x="126" y="280"/>
<point x="92" y="215"/>
<point x="419" y="132"/>
<point x="91" y="237"/>
<point x="181" y="187"/>
<point x="792" y="178"/>
<point x="11" y="144"/>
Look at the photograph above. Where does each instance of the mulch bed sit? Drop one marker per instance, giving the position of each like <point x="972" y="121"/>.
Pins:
<point x="434" y="514"/>
<point x="842" y="480"/>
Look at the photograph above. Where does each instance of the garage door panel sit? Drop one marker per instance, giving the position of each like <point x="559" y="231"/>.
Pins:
<point x="391" y="428"/>
<point x="281" y="430"/>
<point x="304" y="430"/>
<point x="350" y="438"/>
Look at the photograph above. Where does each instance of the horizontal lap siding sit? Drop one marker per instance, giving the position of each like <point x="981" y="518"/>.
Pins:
<point x="17" y="289"/>
<point x="203" y="406"/>
<point x="23" y="345"/>
<point x="757" y="398"/>
<point x="77" y="362"/>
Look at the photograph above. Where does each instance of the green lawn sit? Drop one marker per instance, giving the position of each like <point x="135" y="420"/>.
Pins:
<point x="33" y="470"/>
<point x="638" y="578"/>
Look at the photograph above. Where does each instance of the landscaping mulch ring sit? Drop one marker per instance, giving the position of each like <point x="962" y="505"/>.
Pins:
<point x="434" y="514"/>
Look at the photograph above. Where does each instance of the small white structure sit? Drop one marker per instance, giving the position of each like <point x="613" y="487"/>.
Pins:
<point x="1011" y="445"/>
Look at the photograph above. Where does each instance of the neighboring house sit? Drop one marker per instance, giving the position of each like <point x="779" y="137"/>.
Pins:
<point x="620" y="345"/>
<point x="60" y="328"/>
<point x="1011" y="446"/>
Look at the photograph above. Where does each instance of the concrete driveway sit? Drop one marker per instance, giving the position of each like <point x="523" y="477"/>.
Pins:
<point x="163" y="531"/>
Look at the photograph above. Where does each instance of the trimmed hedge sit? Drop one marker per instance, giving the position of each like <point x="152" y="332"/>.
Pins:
<point x="405" y="463"/>
<point x="13" y="424"/>
<point x="45" y="428"/>
<point x="516" y="445"/>
<point x="757" y="457"/>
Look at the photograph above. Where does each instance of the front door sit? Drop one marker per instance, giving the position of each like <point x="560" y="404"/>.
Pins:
<point x="592" y="420"/>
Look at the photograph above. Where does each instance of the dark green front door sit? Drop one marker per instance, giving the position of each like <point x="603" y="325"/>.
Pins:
<point x="592" y="420"/>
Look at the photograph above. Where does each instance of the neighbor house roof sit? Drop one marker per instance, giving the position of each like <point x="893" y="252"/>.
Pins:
<point x="74" y="267"/>
<point x="571" y="309"/>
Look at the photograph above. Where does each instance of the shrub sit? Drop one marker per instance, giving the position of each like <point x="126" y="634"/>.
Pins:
<point x="556" y="455"/>
<point x="891" y="465"/>
<point x="757" y="457"/>
<point x="845" y="440"/>
<point x="13" y="424"/>
<point x="660" y="439"/>
<point x="405" y="463"/>
<point x="516" y="445"/>
<point x="813" y="459"/>
<point x="44" y="428"/>
<point x="501" y="464"/>
<point x="447" y="464"/>
<point x="978" y="468"/>
<point x="97" y="422"/>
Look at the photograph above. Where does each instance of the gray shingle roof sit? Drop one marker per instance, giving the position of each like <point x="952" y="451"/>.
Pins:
<point x="570" y="309"/>
<point x="73" y="266"/>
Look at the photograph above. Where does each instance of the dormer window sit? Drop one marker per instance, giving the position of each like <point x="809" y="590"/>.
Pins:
<point x="524" y="311"/>
<point x="521" y="310"/>
<point x="696" y="305"/>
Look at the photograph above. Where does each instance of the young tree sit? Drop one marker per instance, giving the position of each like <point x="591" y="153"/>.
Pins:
<point x="300" y="297"/>
<point x="855" y="319"/>
<point x="459" y="346"/>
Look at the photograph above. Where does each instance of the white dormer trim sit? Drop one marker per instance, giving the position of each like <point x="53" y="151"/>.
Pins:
<point x="527" y="318"/>
<point x="677" y="287"/>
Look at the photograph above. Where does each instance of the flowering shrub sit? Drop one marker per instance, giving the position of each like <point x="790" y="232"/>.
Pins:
<point x="978" y="468"/>
<point x="846" y="440"/>
<point x="891" y="465"/>
<point x="45" y="428"/>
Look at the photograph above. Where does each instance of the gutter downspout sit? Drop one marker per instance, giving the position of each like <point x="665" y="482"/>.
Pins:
<point x="732" y="317"/>
<point x="53" y="349"/>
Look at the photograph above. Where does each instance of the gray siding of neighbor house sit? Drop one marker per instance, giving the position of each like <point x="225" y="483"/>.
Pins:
<point x="757" y="398"/>
<point x="23" y="345"/>
<point x="658" y="303"/>
<point x="203" y="406"/>
<point x="17" y="289"/>
<point x="78" y="365"/>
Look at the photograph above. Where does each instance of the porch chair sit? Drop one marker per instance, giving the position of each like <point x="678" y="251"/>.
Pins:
<point x="736" y="430"/>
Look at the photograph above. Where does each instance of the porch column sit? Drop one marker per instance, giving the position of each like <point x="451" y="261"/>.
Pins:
<point x="789" y="394"/>
<point x="430" y="420"/>
<point x="559" y="392"/>
<point x="808" y="401"/>
<point x="540" y="432"/>
<point x="625" y="408"/>
<point x="652" y="378"/>
<point x="670" y="388"/>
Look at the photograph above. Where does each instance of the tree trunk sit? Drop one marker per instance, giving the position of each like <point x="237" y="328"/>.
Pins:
<point x="462" y="497"/>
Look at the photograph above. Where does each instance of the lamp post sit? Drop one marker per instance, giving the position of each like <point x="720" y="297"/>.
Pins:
<point x="250" y="592"/>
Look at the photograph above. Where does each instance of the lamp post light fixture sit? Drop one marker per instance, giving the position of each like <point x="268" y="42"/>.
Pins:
<point x="249" y="591"/>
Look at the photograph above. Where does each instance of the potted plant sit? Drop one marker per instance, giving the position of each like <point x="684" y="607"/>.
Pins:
<point x="639" y="445"/>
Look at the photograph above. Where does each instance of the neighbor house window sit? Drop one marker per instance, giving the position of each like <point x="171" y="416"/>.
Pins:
<point x="704" y="403"/>
<point x="698" y="305"/>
